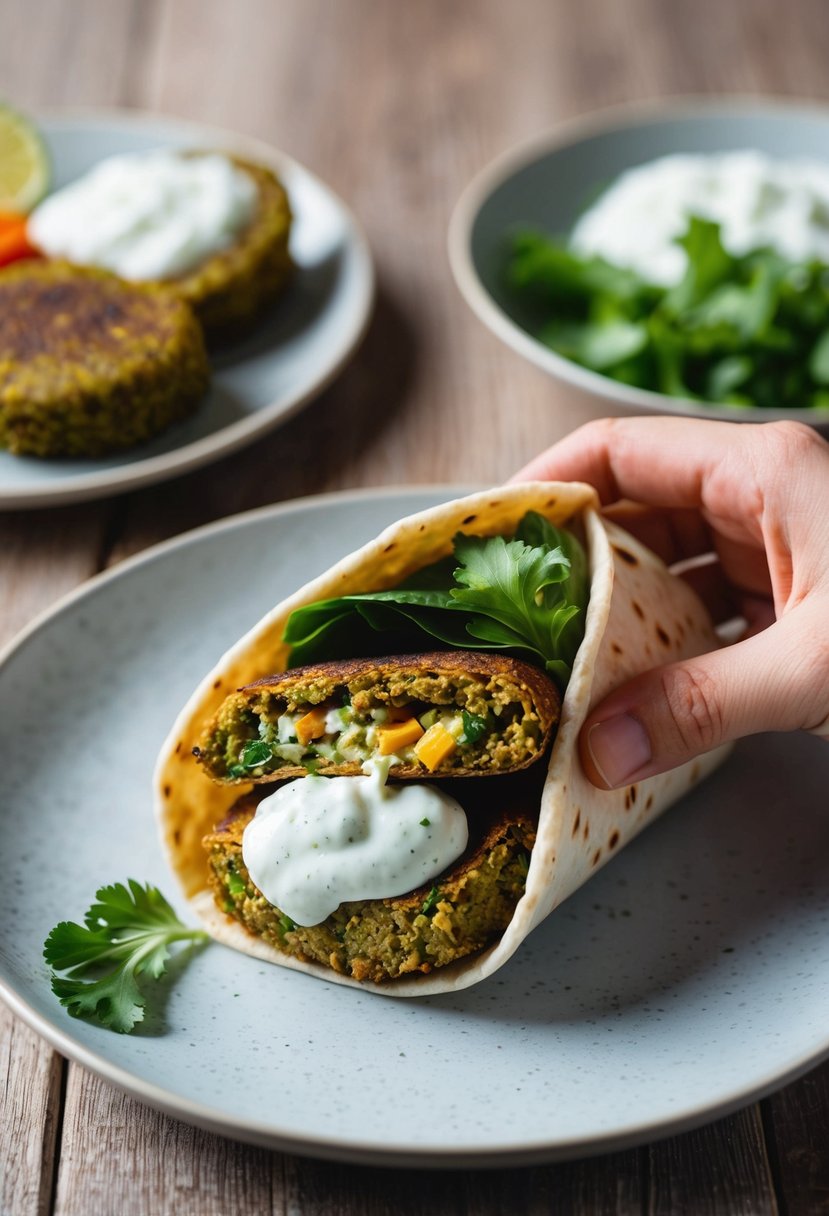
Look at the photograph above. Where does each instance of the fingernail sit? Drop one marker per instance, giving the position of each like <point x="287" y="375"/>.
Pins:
<point x="618" y="747"/>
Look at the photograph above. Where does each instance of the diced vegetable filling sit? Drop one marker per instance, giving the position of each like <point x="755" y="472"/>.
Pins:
<point x="261" y="734"/>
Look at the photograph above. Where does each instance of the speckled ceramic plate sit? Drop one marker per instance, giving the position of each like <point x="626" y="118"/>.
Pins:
<point x="294" y="352"/>
<point x="690" y="976"/>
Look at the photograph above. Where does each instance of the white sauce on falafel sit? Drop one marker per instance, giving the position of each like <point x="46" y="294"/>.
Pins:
<point x="152" y="215"/>
<point x="320" y="841"/>
<point x="758" y="201"/>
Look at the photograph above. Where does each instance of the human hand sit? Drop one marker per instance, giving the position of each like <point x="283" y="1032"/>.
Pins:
<point x="756" y="497"/>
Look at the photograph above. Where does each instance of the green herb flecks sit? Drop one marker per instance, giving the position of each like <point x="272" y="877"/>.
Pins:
<point x="255" y="754"/>
<point x="747" y="330"/>
<point x="430" y="902"/>
<point x="126" y="934"/>
<point x="474" y="727"/>
<point x="234" y="882"/>
<point x="526" y="596"/>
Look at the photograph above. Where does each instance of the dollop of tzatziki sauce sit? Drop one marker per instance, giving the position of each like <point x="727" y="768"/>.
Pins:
<point x="149" y="215"/>
<point x="318" y="842"/>
<point x="758" y="201"/>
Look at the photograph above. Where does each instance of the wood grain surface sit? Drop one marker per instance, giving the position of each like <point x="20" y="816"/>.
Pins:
<point x="396" y="106"/>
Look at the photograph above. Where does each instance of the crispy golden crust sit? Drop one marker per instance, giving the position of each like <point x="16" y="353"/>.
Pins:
<point x="230" y="289"/>
<point x="451" y="662"/>
<point x="475" y="680"/>
<point x="90" y="363"/>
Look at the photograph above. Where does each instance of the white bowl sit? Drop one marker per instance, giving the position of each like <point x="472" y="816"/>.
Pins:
<point x="547" y="182"/>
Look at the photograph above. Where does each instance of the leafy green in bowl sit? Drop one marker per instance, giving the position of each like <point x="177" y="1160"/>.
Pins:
<point x="750" y="330"/>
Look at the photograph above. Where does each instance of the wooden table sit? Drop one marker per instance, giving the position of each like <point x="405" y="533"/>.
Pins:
<point x="396" y="105"/>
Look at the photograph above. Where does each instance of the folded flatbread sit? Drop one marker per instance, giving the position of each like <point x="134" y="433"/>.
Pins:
<point x="639" y="615"/>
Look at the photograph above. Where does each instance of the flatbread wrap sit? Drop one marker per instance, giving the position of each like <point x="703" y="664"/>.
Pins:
<point x="534" y="836"/>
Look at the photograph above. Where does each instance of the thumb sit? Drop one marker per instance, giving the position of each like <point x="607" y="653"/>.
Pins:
<point x="775" y="680"/>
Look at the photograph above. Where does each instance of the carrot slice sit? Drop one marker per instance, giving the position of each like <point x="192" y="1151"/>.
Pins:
<point x="14" y="239"/>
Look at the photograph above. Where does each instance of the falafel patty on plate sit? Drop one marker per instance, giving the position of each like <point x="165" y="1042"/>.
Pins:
<point x="90" y="363"/>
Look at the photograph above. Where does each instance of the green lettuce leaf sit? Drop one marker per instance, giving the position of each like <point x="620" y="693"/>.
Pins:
<point x="527" y="596"/>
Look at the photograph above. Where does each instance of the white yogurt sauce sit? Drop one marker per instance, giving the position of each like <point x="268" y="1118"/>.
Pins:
<point x="153" y="215"/>
<point x="319" y="841"/>
<point x="758" y="202"/>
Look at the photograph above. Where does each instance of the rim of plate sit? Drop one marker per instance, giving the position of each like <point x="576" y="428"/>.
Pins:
<point x="238" y="434"/>
<point x="568" y="132"/>
<point x="253" y="1131"/>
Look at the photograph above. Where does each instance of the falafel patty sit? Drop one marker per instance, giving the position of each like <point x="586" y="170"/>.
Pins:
<point x="462" y="911"/>
<point x="229" y="289"/>
<point x="90" y="363"/>
<point x="449" y="713"/>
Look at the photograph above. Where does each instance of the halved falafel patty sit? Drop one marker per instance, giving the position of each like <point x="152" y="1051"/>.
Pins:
<point x="448" y="713"/>
<point x="90" y="363"/>
<point x="229" y="289"/>
<point x="462" y="911"/>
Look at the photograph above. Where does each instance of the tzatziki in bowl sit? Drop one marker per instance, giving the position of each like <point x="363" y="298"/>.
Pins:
<point x="670" y="260"/>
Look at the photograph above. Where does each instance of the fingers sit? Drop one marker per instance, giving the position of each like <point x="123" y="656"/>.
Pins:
<point x="662" y="461"/>
<point x="777" y="679"/>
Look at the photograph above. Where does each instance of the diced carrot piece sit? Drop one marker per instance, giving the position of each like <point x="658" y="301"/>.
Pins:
<point x="311" y="725"/>
<point x="435" y="746"/>
<point x="398" y="713"/>
<point x="399" y="734"/>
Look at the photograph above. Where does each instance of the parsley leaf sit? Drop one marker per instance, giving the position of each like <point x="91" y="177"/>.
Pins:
<point x="126" y="933"/>
<point x="526" y="595"/>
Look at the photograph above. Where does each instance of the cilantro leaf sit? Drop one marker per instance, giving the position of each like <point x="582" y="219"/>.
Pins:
<point x="126" y="933"/>
<point x="526" y="595"/>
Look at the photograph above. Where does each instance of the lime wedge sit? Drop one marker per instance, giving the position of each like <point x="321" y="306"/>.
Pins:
<point x="24" y="163"/>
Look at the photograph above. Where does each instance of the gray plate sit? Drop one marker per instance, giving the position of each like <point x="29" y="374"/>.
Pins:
<point x="295" y="351"/>
<point x="689" y="976"/>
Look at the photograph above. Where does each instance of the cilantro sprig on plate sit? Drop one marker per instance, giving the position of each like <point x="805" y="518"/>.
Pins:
<point x="748" y="330"/>
<point x="126" y="934"/>
<point x="526" y="595"/>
